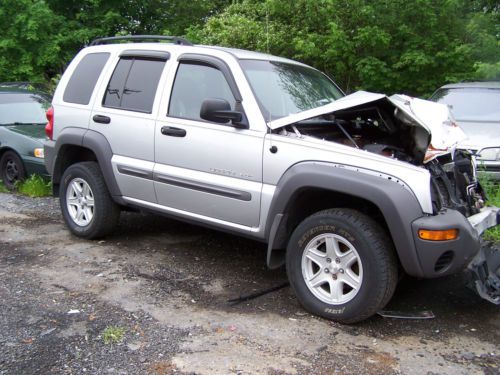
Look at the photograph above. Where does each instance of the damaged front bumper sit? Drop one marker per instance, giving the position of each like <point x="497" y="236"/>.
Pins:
<point x="485" y="266"/>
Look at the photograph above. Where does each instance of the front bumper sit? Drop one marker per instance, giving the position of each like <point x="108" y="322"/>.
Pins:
<point x="35" y="166"/>
<point x="440" y="258"/>
<point x="489" y="169"/>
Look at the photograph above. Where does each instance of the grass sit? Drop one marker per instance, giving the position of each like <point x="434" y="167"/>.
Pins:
<point x="113" y="334"/>
<point x="3" y="189"/>
<point x="493" y="193"/>
<point x="34" y="186"/>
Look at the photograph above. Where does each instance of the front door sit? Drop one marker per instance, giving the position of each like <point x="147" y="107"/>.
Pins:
<point x="208" y="170"/>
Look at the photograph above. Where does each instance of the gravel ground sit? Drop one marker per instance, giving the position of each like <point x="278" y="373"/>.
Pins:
<point x="166" y="284"/>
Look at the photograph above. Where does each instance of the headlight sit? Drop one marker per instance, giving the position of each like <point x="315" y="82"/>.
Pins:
<point x="38" y="152"/>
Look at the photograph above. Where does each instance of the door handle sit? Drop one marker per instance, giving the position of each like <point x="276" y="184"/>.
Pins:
<point x="101" y="119"/>
<point x="173" y="132"/>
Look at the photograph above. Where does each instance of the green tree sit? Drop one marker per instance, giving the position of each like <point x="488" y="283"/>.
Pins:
<point x="29" y="41"/>
<point x="378" y="45"/>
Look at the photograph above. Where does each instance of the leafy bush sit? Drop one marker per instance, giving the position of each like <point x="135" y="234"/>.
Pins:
<point x="34" y="186"/>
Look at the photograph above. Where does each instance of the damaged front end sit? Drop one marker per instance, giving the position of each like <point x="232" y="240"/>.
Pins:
<point x="420" y="133"/>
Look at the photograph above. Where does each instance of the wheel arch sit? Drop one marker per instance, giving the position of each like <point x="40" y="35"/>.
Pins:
<point x="76" y="145"/>
<point x="310" y="187"/>
<point x="4" y="149"/>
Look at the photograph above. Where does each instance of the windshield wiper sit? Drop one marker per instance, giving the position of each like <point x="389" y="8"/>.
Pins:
<point x="26" y="123"/>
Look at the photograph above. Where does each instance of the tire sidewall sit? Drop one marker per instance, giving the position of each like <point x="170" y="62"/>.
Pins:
<point x="357" y="306"/>
<point x="79" y="171"/>
<point x="10" y="155"/>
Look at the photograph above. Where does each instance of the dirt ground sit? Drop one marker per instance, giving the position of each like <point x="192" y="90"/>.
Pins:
<point x="166" y="285"/>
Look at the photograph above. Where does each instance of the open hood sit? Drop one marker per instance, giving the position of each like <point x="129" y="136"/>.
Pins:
<point x="418" y="128"/>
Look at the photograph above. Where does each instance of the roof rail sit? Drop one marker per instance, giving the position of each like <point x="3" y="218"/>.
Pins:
<point x="480" y="80"/>
<point x="142" y="38"/>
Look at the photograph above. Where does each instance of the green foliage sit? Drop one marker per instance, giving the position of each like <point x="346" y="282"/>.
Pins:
<point x="3" y="189"/>
<point x="113" y="334"/>
<point x="493" y="193"/>
<point x="378" y="45"/>
<point x="34" y="186"/>
<point x="40" y="37"/>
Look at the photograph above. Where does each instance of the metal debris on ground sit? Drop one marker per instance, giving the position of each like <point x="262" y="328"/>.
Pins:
<point x="426" y="314"/>
<point x="249" y="297"/>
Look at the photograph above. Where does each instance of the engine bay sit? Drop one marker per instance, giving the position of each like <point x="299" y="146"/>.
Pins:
<point x="382" y="129"/>
<point x="386" y="130"/>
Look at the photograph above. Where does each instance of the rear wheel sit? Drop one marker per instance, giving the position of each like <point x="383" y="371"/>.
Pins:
<point x="341" y="265"/>
<point x="12" y="169"/>
<point x="86" y="204"/>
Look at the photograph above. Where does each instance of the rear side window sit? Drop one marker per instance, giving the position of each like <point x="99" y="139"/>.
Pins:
<point x="84" y="78"/>
<point x="133" y="84"/>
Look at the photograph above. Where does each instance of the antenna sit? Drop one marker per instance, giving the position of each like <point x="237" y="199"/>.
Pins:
<point x="267" y="27"/>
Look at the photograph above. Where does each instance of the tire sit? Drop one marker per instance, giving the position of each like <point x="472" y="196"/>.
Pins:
<point x="12" y="169"/>
<point x="341" y="265"/>
<point x="86" y="205"/>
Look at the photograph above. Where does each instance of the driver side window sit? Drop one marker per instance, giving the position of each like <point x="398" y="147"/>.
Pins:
<point x="195" y="82"/>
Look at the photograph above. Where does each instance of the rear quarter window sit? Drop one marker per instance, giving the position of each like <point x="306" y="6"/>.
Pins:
<point x="84" y="78"/>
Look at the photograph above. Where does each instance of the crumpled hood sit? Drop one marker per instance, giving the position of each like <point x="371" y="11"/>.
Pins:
<point x="434" y="118"/>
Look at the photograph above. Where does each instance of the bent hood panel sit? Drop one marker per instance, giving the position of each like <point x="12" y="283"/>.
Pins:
<point x="349" y="101"/>
<point x="434" y="118"/>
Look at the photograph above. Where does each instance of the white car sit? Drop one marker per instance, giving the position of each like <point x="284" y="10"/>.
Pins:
<point x="476" y="108"/>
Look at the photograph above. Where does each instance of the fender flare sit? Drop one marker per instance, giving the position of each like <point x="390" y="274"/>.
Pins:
<point x="397" y="203"/>
<point x="96" y="143"/>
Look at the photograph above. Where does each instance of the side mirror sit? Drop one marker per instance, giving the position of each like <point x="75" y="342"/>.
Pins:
<point x="219" y="110"/>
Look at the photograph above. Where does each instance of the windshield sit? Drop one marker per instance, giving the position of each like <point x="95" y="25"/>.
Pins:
<point x="471" y="104"/>
<point x="283" y="89"/>
<point x="23" y="108"/>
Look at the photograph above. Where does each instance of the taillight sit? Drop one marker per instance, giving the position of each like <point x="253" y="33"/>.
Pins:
<point x="49" y="128"/>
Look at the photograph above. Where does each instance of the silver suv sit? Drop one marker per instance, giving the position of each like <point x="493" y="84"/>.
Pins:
<point x="346" y="190"/>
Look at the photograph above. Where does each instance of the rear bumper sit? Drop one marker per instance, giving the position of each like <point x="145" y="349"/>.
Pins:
<point x="440" y="258"/>
<point x="49" y="153"/>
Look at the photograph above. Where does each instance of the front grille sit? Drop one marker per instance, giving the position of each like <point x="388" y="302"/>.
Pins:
<point x="444" y="261"/>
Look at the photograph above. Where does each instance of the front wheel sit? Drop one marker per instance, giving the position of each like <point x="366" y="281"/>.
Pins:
<point x="86" y="205"/>
<point x="341" y="265"/>
<point x="12" y="169"/>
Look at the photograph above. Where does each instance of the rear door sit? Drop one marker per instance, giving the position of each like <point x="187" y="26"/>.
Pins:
<point x="126" y="117"/>
<point x="208" y="170"/>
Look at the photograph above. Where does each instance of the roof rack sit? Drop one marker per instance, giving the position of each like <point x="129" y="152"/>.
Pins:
<point x="141" y="38"/>
<point x="480" y="80"/>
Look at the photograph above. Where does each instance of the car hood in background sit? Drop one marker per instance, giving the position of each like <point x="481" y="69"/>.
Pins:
<point x="480" y="134"/>
<point x="35" y="131"/>
<point x="433" y="117"/>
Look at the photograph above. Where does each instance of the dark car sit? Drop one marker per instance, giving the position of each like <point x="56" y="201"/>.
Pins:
<point x="476" y="108"/>
<point x="22" y="123"/>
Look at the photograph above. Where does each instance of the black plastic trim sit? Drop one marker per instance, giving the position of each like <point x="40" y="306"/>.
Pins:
<point x="102" y="149"/>
<point x="91" y="140"/>
<point x="386" y="194"/>
<point x="136" y="172"/>
<point x="138" y="38"/>
<point x="141" y="53"/>
<point x="464" y="248"/>
<point x="206" y="188"/>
